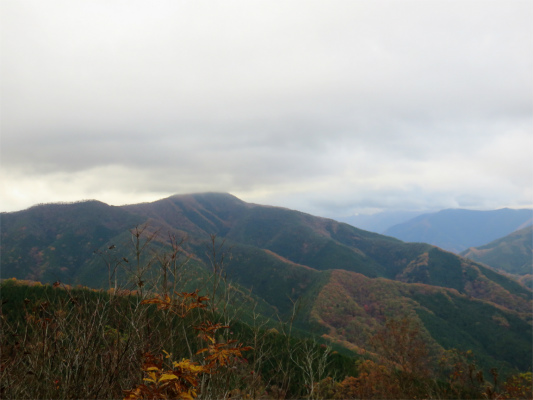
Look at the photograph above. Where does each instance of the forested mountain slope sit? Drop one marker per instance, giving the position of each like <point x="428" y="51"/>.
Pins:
<point x="347" y="281"/>
<point x="52" y="242"/>
<point x="512" y="253"/>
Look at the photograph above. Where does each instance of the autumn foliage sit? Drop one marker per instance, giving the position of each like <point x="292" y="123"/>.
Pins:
<point x="180" y="379"/>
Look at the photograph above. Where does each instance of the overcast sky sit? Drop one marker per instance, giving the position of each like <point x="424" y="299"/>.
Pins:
<point x="329" y="107"/>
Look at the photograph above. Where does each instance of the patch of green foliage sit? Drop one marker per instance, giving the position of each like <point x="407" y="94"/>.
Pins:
<point x="498" y="338"/>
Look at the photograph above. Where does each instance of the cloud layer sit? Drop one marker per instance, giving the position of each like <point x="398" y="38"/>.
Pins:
<point x="327" y="107"/>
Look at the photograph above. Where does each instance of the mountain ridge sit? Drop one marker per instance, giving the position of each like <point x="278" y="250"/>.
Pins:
<point x="280" y="254"/>
<point x="512" y="253"/>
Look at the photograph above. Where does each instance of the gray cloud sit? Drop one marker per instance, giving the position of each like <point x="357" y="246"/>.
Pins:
<point x="329" y="107"/>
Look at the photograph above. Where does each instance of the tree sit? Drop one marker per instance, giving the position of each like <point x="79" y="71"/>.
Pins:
<point x="401" y="344"/>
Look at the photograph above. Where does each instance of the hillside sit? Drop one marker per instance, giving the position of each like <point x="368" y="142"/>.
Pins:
<point x="353" y="307"/>
<point x="512" y="253"/>
<point x="457" y="229"/>
<point x="54" y="241"/>
<point x="282" y="256"/>
<point x="106" y="344"/>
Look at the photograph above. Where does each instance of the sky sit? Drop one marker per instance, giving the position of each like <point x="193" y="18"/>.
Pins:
<point x="329" y="107"/>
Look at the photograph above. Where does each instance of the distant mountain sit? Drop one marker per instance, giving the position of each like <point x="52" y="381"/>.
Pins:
<point x="379" y="222"/>
<point x="457" y="229"/>
<point x="348" y="281"/>
<point x="512" y="253"/>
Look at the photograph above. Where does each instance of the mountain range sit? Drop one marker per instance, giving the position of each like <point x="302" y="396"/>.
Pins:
<point x="381" y="221"/>
<point x="347" y="281"/>
<point x="458" y="229"/>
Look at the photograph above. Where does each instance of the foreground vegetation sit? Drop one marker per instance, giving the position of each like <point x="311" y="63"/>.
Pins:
<point x="153" y="337"/>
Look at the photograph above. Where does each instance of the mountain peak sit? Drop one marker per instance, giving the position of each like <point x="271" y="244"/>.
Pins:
<point x="209" y="199"/>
